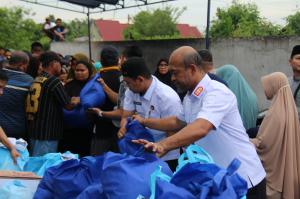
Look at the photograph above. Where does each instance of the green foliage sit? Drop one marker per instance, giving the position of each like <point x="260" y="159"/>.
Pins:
<point x="159" y="23"/>
<point x="77" y="28"/>
<point x="17" y="31"/>
<point x="293" y="24"/>
<point x="242" y="20"/>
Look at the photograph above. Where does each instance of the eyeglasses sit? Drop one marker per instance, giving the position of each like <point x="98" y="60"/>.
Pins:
<point x="163" y="64"/>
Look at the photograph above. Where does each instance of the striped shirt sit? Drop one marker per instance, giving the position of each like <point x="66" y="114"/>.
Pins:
<point x="45" y="103"/>
<point x="12" y="103"/>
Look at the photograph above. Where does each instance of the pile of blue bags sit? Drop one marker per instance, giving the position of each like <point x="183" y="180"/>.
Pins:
<point x="37" y="165"/>
<point x="136" y="174"/>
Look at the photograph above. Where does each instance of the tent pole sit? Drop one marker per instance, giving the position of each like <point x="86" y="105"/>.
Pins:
<point x="207" y="26"/>
<point x="89" y="34"/>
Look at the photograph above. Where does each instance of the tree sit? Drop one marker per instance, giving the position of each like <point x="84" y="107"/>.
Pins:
<point x="242" y="20"/>
<point x="159" y="23"/>
<point x="293" y="24"/>
<point x="77" y="28"/>
<point x="16" y="31"/>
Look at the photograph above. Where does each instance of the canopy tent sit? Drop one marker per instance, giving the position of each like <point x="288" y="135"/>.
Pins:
<point x="100" y="6"/>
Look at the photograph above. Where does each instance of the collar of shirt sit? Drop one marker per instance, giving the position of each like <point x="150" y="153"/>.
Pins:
<point x="45" y="74"/>
<point x="151" y="89"/>
<point x="198" y="91"/>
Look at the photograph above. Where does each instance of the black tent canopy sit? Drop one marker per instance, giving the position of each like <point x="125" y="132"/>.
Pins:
<point x="91" y="3"/>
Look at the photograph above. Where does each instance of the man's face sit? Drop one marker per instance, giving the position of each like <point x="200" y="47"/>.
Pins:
<point x="135" y="85"/>
<point x="2" y="51"/>
<point x="24" y="66"/>
<point x="2" y="86"/>
<point x="7" y="55"/>
<point x="56" y="68"/>
<point x="180" y="74"/>
<point x="295" y="63"/>
<point x="58" y="22"/>
<point x="37" y="51"/>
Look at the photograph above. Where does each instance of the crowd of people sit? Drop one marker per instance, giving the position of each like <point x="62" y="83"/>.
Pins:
<point x="185" y="101"/>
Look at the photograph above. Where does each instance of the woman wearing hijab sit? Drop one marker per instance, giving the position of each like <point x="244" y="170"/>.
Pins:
<point x="278" y="139"/>
<point x="77" y="140"/>
<point x="163" y="74"/>
<point x="246" y="98"/>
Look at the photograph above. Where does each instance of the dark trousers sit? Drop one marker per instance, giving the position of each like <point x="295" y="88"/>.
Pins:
<point x="258" y="191"/>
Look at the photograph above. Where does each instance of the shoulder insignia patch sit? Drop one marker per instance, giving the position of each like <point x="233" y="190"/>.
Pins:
<point x="198" y="91"/>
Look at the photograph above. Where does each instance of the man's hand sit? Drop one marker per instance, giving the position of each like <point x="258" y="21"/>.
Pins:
<point x="103" y="84"/>
<point x="138" y="118"/>
<point x="157" y="148"/>
<point x="75" y="101"/>
<point x="14" y="154"/>
<point x="95" y="110"/>
<point x="121" y="132"/>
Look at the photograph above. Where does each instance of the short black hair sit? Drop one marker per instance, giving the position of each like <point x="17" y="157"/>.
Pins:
<point x="3" y="76"/>
<point x="132" y="51"/>
<point x="134" y="67"/>
<point x="109" y="56"/>
<point x="48" y="57"/>
<point x="35" y="45"/>
<point x="205" y="55"/>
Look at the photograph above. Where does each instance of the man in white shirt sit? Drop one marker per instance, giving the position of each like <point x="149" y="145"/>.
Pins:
<point x="150" y="98"/>
<point x="210" y="118"/>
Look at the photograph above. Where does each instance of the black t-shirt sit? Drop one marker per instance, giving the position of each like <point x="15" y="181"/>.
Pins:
<point x="104" y="126"/>
<point x="45" y="103"/>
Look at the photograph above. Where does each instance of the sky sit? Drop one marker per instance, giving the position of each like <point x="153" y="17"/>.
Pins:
<point x="273" y="10"/>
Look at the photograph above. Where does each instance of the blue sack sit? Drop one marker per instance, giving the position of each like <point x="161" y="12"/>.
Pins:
<point x="69" y="179"/>
<point x="7" y="163"/>
<point x="15" y="190"/>
<point x="125" y="176"/>
<point x="161" y="188"/>
<point x="93" y="191"/>
<point x="39" y="165"/>
<point x="134" y="131"/>
<point x="210" y="181"/>
<point x="92" y="95"/>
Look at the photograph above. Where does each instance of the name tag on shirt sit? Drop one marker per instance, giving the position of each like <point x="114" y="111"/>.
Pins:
<point x="137" y="103"/>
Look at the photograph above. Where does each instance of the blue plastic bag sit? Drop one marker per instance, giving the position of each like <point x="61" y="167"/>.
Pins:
<point x="126" y="176"/>
<point x="7" y="163"/>
<point x="161" y="188"/>
<point x="16" y="190"/>
<point x="92" y="191"/>
<point x="69" y="179"/>
<point x="210" y="181"/>
<point x="192" y="154"/>
<point x="39" y="165"/>
<point x="92" y="95"/>
<point x="134" y="131"/>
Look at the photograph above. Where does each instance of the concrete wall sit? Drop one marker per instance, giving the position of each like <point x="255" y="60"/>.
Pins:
<point x="254" y="57"/>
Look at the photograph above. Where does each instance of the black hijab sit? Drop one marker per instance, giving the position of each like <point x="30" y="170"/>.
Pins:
<point x="164" y="78"/>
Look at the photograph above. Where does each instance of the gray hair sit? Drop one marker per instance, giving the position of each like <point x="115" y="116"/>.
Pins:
<point x="192" y="58"/>
<point x="17" y="58"/>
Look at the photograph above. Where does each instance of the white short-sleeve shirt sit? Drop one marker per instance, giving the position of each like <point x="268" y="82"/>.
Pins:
<point x="159" y="101"/>
<point x="215" y="103"/>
